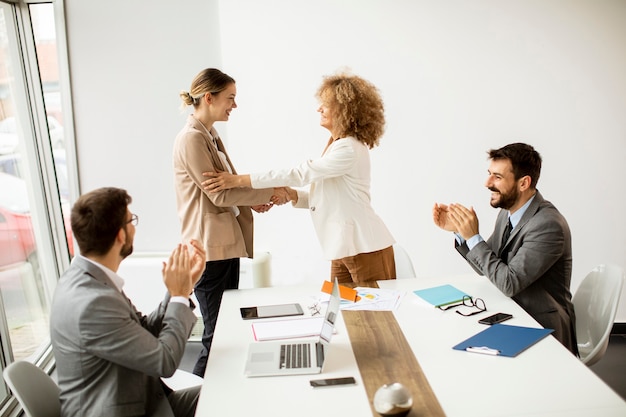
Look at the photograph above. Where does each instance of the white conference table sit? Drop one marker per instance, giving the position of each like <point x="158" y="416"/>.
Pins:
<point x="227" y="392"/>
<point x="545" y="380"/>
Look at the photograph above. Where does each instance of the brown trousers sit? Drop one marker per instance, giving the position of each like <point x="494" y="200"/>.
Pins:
<point x="372" y="266"/>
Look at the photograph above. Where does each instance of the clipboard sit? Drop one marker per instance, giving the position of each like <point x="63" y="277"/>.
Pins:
<point x="441" y="295"/>
<point x="503" y="340"/>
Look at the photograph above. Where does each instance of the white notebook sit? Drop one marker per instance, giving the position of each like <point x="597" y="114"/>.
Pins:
<point x="287" y="329"/>
<point x="273" y="358"/>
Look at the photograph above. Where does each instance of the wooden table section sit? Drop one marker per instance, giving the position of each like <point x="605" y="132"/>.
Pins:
<point x="384" y="356"/>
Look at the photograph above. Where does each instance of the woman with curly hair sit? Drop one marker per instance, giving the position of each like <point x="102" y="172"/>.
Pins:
<point x="351" y="234"/>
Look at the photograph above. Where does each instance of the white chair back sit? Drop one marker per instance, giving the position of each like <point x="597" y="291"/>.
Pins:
<point x="404" y="266"/>
<point x="595" y="305"/>
<point x="35" y="390"/>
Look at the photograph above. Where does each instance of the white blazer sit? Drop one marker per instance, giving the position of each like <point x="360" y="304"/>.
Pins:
<point x="338" y="199"/>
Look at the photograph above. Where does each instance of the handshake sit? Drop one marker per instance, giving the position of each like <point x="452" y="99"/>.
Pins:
<point x="281" y="196"/>
<point x="219" y="181"/>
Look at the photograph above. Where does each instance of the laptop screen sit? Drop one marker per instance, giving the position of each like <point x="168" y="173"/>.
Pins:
<point x="331" y="314"/>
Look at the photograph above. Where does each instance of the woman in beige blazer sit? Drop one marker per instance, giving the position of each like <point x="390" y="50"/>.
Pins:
<point x="351" y="234"/>
<point x="221" y="221"/>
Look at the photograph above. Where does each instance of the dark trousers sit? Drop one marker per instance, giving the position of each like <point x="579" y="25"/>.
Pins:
<point x="217" y="277"/>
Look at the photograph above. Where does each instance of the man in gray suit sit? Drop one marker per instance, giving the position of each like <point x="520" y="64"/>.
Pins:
<point x="109" y="357"/>
<point x="529" y="259"/>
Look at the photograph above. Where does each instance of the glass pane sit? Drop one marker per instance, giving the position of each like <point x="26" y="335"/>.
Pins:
<point x="25" y="298"/>
<point x="42" y="16"/>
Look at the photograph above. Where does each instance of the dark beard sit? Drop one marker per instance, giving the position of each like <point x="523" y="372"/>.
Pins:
<point x="506" y="200"/>
<point x="127" y="249"/>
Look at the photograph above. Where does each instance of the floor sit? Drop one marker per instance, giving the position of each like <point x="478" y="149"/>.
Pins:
<point x="611" y="368"/>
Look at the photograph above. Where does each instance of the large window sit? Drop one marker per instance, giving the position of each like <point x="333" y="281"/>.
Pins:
<point x="35" y="238"/>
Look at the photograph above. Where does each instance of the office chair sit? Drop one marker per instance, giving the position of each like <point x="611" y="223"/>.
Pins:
<point x="595" y="305"/>
<point x="35" y="390"/>
<point x="404" y="266"/>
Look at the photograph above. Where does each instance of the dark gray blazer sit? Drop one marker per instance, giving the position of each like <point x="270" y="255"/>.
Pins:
<point x="539" y="269"/>
<point x="110" y="357"/>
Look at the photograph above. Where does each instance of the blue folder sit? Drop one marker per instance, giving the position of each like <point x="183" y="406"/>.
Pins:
<point x="503" y="340"/>
<point x="441" y="295"/>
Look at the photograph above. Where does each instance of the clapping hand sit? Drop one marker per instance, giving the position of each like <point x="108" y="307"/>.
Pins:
<point x="198" y="261"/>
<point x="464" y="220"/>
<point x="182" y="270"/>
<point x="456" y="218"/>
<point x="441" y="217"/>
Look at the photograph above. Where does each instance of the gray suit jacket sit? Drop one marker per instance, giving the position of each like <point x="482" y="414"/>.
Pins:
<point x="539" y="269"/>
<point x="110" y="357"/>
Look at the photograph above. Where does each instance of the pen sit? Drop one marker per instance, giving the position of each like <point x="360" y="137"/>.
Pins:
<point x="483" y="349"/>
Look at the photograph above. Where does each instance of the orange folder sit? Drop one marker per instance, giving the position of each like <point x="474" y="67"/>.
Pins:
<point x="346" y="293"/>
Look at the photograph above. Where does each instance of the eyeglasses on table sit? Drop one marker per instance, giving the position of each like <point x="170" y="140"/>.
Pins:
<point x="468" y="301"/>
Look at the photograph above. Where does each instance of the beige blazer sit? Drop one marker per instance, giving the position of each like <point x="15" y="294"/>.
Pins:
<point x="209" y="217"/>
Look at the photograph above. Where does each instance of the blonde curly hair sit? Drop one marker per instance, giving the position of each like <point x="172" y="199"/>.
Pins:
<point x="356" y="107"/>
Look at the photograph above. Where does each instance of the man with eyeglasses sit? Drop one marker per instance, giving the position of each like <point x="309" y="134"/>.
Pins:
<point x="529" y="255"/>
<point x="109" y="357"/>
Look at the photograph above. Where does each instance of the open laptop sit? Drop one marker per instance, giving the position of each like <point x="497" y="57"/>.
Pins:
<point x="294" y="357"/>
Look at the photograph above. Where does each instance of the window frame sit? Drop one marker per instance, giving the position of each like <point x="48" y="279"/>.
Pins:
<point x="48" y="225"/>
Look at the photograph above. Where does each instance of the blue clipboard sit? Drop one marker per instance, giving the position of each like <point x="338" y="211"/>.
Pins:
<point x="503" y="340"/>
<point x="441" y="295"/>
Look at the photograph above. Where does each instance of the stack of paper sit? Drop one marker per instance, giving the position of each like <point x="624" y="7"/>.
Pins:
<point x="375" y="299"/>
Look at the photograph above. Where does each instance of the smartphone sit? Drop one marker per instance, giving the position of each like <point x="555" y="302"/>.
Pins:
<point x="495" y="318"/>
<point x="330" y="382"/>
<point x="277" y="310"/>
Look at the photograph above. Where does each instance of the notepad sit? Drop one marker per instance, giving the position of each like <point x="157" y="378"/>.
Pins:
<point x="503" y="340"/>
<point x="287" y="329"/>
<point x="441" y="295"/>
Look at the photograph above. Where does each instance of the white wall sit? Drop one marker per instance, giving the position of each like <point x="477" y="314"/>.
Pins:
<point x="128" y="62"/>
<point x="457" y="77"/>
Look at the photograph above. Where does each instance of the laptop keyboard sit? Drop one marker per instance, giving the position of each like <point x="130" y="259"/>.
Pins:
<point x="298" y="355"/>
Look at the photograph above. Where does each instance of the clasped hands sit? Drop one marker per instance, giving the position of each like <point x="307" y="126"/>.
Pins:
<point x="280" y="197"/>
<point x="456" y="218"/>
<point x="219" y="181"/>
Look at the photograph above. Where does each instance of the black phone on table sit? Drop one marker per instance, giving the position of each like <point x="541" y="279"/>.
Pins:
<point x="495" y="318"/>
<point x="330" y="382"/>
